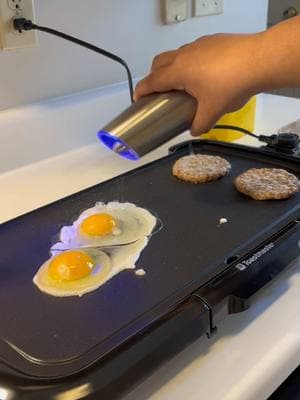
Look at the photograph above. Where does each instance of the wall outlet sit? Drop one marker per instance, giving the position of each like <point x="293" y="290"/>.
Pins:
<point x="207" y="7"/>
<point x="9" y="38"/>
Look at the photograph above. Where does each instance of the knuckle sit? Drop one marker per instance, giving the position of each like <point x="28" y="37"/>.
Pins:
<point x="139" y="86"/>
<point x="178" y="58"/>
<point x="156" y="59"/>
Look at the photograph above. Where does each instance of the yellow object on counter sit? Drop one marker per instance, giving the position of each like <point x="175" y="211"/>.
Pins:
<point x="243" y="118"/>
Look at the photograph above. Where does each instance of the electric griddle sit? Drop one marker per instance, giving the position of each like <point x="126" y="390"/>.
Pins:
<point x="197" y="272"/>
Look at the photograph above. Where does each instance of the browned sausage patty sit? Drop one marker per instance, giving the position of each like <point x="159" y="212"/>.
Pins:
<point x="267" y="183"/>
<point x="198" y="168"/>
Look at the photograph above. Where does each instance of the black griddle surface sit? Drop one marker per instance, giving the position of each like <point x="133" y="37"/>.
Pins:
<point x="45" y="336"/>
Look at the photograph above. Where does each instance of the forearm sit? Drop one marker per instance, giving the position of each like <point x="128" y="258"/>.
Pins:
<point x="278" y="57"/>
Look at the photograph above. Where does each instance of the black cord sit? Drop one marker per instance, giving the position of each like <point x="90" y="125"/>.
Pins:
<point x="268" y="139"/>
<point x="236" y="128"/>
<point x="22" y="24"/>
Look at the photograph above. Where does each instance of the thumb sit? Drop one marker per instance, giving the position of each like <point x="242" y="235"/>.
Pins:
<point x="205" y="118"/>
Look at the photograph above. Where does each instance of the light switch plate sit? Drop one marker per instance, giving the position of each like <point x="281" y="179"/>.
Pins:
<point x="207" y="7"/>
<point x="174" y="11"/>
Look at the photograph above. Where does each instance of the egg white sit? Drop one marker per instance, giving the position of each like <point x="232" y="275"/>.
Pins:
<point x="133" y="223"/>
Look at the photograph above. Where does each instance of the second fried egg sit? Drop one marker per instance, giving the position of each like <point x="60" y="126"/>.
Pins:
<point x="109" y="224"/>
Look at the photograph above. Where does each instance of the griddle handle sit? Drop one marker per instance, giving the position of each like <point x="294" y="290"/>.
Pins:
<point x="232" y="291"/>
<point x="261" y="272"/>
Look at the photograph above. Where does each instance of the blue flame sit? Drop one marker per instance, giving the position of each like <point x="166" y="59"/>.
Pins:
<point x="112" y="141"/>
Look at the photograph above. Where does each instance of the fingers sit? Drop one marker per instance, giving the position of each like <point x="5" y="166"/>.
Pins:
<point x="163" y="59"/>
<point x="162" y="80"/>
<point x="205" y="118"/>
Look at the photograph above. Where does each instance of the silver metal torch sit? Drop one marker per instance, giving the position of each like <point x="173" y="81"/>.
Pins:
<point x="148" y="123"/>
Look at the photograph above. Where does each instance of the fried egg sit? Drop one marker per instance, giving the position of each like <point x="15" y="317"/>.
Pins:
<point x="76" y="267"/>
<point x="73" y="272"/>
<point x="80" y="271"/>
<point x="109" y="224"/>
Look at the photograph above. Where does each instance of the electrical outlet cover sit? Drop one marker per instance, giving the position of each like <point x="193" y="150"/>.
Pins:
<point x="207" y="7"/>
<point x="9" y="38"/>
<point x="15" y="5"/>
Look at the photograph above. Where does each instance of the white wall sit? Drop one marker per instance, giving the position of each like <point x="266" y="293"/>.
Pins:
<point x="131" y="28"/>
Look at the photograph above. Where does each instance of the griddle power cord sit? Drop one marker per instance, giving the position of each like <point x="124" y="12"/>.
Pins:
<point x="23" y="24"/>
<point x="262" y="138"/>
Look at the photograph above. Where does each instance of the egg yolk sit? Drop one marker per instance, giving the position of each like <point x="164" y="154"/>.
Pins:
<point x="98" y="225"/>
<point x="71" y="265"/>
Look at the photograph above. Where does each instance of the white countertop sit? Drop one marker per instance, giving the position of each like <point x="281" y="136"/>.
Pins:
<point x="48" y="151"/>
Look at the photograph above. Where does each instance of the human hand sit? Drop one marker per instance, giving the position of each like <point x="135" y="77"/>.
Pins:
<point x="221" y="71"/>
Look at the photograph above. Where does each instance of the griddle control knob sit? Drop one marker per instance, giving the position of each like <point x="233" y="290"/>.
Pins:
<point x="288" y="140"/>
